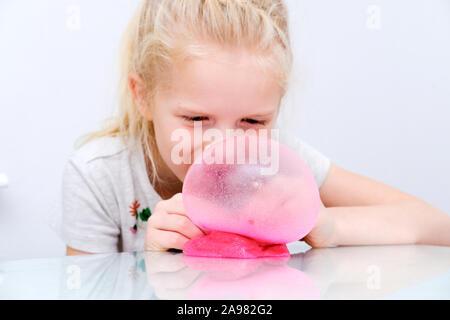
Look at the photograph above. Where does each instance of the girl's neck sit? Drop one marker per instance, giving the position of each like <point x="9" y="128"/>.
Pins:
<point x="169" y="184"/>
<point x="168" y="189"/>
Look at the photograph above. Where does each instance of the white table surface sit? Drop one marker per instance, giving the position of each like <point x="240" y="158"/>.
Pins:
<point x="373" y="272"/>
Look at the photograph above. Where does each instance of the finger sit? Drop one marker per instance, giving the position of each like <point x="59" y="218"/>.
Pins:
<point x="175" y="205"/>
<point x="172" y="205"/>
<point x="178" y="223"/>
<point x="169" y="239"/>
<point x="179" y="208"/>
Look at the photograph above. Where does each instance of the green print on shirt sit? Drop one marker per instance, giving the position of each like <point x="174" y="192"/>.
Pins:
<point x="143" y="215"/>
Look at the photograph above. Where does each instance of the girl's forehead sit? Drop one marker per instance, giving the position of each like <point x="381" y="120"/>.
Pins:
<point x="205" y="83"/>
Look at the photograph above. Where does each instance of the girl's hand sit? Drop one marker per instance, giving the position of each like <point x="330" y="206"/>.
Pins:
<point x="169" y="227"/>
<point x="321" y="236"/>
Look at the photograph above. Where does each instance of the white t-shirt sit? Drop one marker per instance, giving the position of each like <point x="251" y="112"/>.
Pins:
<point x="107" y="195"/>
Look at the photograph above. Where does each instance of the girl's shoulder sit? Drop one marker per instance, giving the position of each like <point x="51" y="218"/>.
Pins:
<point x="102" y="181"/>
<point x="108" y="162"/>
<point x="317" y="162"/>
<point x="101" y="148"/>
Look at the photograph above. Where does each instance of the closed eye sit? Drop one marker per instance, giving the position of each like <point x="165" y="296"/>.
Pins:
<point x="203" y="118"/>
<point x="192" y="119"/>
<point x="253" y="121"/>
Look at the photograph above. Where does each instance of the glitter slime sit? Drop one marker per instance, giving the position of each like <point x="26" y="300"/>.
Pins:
<point x="252" y="203"/>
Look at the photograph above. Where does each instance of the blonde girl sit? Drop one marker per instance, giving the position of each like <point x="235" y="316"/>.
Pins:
<point x="226" y="64"/>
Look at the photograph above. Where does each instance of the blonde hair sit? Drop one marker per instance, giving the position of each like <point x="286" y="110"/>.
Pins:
<point x="162" y="32"/>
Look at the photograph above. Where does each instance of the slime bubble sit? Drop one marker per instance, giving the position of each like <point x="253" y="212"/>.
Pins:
<point x="263" y="191"/>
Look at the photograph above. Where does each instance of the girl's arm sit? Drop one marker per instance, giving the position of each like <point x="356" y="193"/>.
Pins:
<point x="367" y="212"/>
<point x="74" y="252"/>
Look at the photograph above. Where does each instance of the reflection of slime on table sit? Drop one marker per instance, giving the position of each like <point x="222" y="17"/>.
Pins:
<point x="264" y="278"/>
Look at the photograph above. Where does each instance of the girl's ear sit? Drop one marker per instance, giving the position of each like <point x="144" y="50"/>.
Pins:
<point x="137" y="88"/>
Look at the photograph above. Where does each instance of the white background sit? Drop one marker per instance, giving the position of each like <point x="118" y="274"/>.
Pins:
<point x="371" y="90"/>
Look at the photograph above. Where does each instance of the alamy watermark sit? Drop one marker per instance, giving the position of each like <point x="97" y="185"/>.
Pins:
<point x="373" y="21"/>
<point x="374" y="278"/>
<point x="73" y="21"/>
<point x="240" y="147"/>
<point x="73" y="281"/>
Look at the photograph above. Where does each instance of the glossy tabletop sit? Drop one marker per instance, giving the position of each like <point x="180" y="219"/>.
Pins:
<point x="372" y="272"/>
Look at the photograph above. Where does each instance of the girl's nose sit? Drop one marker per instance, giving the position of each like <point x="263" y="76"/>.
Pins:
<point x="222" y="132"/>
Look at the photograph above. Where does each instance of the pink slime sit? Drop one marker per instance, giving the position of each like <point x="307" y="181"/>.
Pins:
<point x="238" y="198"/>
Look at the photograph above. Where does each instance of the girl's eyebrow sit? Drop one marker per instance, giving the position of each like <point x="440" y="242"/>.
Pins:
<point x="261" y="115"/>
<point x="184" y="109"/>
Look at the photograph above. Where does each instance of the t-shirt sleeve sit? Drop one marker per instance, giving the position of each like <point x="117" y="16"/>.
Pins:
<point x="317" y="162"/>
<point x="85" y="221"/>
